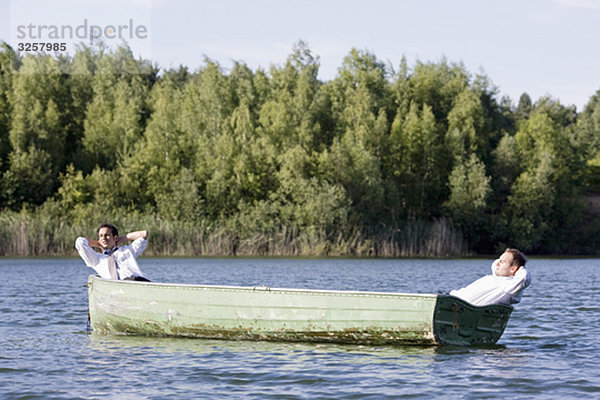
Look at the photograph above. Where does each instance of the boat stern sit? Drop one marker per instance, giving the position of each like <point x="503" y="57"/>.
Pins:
<point x="456" y="322"/>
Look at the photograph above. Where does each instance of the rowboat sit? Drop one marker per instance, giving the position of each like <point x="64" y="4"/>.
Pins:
<point x="293" y="315"/>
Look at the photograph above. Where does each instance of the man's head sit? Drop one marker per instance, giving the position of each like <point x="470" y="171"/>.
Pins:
<point x="108" y="236"/>
<point x="510" y="262"/>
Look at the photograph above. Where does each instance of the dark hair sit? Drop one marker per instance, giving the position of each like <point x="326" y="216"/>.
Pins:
<point x="519" y="258"/>
<point x="113" y="229"/>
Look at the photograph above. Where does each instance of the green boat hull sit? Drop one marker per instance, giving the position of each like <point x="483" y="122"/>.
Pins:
<point x="262" y="313"/>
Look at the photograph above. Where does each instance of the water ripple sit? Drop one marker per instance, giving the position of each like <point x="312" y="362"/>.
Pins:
<point x="549" y="350"/>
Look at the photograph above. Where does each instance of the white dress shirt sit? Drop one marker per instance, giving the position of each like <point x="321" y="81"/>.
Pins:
<point x="494" y="289"/>
<point x="125" y="258"/>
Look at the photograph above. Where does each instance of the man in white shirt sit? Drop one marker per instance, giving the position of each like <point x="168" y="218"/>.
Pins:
<point x="505" y="286"/>
<point x="114" y="262"/>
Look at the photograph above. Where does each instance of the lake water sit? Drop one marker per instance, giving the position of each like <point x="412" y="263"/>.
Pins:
<point x="550" y="348"/>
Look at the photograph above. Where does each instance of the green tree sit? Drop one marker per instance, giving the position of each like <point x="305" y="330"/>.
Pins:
<point x="207" y="102"/>
<point x="9" y="63"/>
<point x="505" y="167"/>
<point x="498" y="116"/>
<point x="206" y="107"/>
<point x="587" y="132"/>
<point x="81" y="76"/>
<point x="306" y="202"/>
<point x="163" y="151"/>
<point x="546" y="195"/>
<point x="438" y="85"/>
<point x="179" y="76"/>
<point x="468" y="202"/>
<point x="466" y="127"/>
<point x="31" y="180"/>
<point x="540" y="134"/>
<point x="362" y="100"/>
<point x="587" y="139"/>
<point x="524" y="107"/>
<point x="530" y="206"/>
<point x="246" y="102"/>
<point x="416" y="164"/>
<point x="114" y="118"/>
<point x="293" y="112"/>
<point x="179" y="200"/>
<point x="38" y="126"/>
<point x="349" y="163"/>
<point x="74" y="191"/>
<point x="563" y="116"/>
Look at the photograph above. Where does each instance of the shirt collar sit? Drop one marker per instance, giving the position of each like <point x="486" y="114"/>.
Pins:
<point x="108" y="252"/>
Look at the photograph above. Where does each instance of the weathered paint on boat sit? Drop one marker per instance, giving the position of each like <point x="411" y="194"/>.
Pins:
<point x="262" y="313"/>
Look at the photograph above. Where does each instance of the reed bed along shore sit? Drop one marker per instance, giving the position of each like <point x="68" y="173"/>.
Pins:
<point x="29" y="235"/>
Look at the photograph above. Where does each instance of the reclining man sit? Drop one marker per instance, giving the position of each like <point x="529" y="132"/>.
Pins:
<point x="506" y="284"/>
<point x="114" y="262"/>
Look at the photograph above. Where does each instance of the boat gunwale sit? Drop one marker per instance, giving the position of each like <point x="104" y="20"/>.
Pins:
<point x="356" y="293"/>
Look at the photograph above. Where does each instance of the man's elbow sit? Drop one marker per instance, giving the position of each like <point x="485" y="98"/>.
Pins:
<point x="80" y="242"/>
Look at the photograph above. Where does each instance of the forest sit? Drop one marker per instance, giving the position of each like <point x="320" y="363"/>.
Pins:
<point x="420" y="160"/>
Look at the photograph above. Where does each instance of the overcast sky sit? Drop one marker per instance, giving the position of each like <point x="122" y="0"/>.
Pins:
<point x="542" y="47"/>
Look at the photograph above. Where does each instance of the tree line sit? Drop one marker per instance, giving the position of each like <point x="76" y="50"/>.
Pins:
<point x="422" y="160"/>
